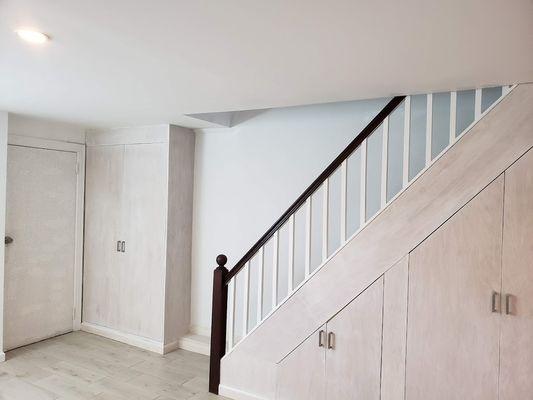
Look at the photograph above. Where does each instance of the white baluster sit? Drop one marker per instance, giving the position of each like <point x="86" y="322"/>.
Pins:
<point x="246" y="299"/>
<point x="231" y="315"/>
<point x="290" y="274"/>
<point x="477" y="104"/>
<point x="275" y="254"/>
<point x="260" y="277"/>
<point x="384" y="162"/>
<point x="406" y="140"/>
<point x="308" y="229"/>
<point x="344" y="178"/>
<point x="325" y="219"/>
<point x="429" y="127"/>
<point x="362" y="192"/>
<point x="453" y="116"/>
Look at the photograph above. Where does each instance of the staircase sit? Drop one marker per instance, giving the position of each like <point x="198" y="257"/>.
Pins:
<point x="417" y="162"/>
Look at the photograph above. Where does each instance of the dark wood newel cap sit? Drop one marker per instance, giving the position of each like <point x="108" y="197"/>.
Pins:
<point x="222" y="260"/>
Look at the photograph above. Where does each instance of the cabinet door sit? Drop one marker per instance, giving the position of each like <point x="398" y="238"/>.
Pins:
<point x="353" y="365"/>
<point x="301" y="375"/>
<point x="102" y="263"/>
<point x="453" y="335"/>
<point x="517" y="327"/>
<point x="144" y="212"/>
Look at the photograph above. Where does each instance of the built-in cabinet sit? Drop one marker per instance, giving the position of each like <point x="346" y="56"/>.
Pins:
<point x="344" y="356"/>
<point x="452" y="321"/>
<point x="137" y="235"/>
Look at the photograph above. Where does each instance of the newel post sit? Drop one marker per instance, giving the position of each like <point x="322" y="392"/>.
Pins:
<point x="218" y="322"/>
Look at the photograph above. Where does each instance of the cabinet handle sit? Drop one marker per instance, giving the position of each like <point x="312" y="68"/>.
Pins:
<point x="508" y="304"/>
<point x="118" y="245"/>
<point x="331" y="341"/>
<point x="123" y="247"/>
<point x="495" y="302"/>
<point x="321" y="337"/>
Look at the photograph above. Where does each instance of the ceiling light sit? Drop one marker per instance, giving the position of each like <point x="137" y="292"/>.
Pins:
<point x="32" y="36"/>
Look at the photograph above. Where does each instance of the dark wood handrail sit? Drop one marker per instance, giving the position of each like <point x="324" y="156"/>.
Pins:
<point x="336" y="163"/>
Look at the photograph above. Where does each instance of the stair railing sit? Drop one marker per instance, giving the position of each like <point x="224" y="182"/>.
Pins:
<point x="223" y="324"/>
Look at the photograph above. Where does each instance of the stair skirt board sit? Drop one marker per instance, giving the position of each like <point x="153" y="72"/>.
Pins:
<point x="128" y="338"/>
<point x="236" y="394"/>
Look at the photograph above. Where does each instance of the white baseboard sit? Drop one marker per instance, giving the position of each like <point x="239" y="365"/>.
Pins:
<point x="127" y="338"/>
<point x="237" y="394"/>
<point x="200" y="330"/>
<point x="195" y="343"/>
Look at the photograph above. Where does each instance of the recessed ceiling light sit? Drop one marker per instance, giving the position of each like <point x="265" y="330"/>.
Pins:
<point x="32" y="36"/>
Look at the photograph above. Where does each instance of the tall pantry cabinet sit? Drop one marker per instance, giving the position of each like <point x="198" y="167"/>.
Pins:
<point x="138" y="229"/>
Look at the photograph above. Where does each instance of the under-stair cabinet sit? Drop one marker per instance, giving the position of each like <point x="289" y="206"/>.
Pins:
<point x="138" y="220"/>
<point x="452" y="321"/>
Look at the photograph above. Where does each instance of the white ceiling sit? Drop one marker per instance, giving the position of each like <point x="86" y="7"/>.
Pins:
<point x="128" y="62"/>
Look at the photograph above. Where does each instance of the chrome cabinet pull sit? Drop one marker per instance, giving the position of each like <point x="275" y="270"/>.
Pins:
<point x="495" y="302"/>
<point x="321" y="338"/>
<point x="331" y="341"/>
<point x="508" y="304"/>
<point x="118" y="245"/>
<point x="123" y="247"/>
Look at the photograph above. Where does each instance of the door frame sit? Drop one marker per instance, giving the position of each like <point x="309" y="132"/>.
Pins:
<point x="79" y="150"/>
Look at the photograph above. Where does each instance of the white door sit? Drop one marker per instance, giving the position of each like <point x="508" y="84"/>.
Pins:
<point x="39" y="263"/>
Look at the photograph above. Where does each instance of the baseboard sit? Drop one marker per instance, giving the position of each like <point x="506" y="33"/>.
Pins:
<point x="200" y="330"/>
<point x="169" y="347"/>
<point x="123" y="337"/>
<point x="236" y="394"/>
<point x="195" y="343"/>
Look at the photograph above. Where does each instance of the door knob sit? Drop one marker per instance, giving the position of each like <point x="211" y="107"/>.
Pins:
<point x="8" y="240"/>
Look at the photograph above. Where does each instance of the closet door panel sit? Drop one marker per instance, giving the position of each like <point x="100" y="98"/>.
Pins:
<point x="144" y="211"/>
<point x="394" y="331"/>
<point x="453" y="335"/>
<point x="102" y="263"/>
<point x="301" y="375"/>
<point x="517" y="327"/>
<point x="353" y="366"/>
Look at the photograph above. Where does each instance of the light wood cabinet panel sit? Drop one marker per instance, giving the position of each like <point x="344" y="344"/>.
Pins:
<point x="301" y="375"/>
<point x="353" y="366"/>
<point x="143" y="214"/>
<point x="394" y="331"/>
<point x="453" y="337"/>
<point x="102" y="283"/>
<point x="516" y="369"/>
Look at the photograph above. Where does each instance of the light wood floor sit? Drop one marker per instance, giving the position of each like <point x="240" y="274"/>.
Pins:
<point x="84" y="366"/>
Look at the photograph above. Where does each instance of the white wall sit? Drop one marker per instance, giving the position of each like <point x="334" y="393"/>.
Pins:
<point x="3" y="168"/>
<point x="246" y="176"/>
